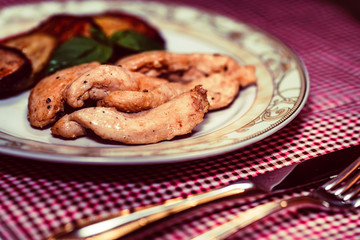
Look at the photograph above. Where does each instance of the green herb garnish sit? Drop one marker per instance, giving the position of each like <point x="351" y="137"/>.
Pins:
<point x="77" y="51"/>
<point x="98" y="47"/>
<point x="134" y="41"/>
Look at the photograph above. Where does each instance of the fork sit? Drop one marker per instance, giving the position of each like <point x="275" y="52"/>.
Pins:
<point x="342" y="192"/>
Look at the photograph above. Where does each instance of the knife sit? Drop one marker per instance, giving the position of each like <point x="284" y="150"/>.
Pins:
<point x="298" y="175"/>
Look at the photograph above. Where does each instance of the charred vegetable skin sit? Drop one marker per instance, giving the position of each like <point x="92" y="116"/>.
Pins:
<point x="39" y="43"/>
<point x="58" y="29"/>
<point x="38" y="47"/>
<point x="15" y="69"/>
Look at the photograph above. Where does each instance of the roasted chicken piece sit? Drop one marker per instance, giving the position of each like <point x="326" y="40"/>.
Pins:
<point x="176" y="117"/>
<point x="100" y="81"/>
<point x="185" y="67"/>
<point x="46" y="100"/>
<point x="132" y="87"/>
<point x="220" y="75"/>
<point x="137" y="101"/>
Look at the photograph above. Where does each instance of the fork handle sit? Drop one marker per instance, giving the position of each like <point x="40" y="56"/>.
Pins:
<point x="254" y="214"/>
<point x="125" y="223"/>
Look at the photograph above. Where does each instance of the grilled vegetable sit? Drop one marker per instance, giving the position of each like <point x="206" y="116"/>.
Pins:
<point x="38" y="47"/>
<point x="15" y="71"/>
<point x="66" y="40"/>
<point x="64" y="27"/>
<point x="99" y="48"/>
<point x="79" y="50"/>
<point x="129" y="33"/>
<point x="111" y="22"/>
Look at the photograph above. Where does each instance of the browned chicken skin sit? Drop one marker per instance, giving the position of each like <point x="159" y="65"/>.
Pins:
<point x="162" y="88"/>
<point x="219" y="74"/>
<point x="221" y="92"/>
<point x="100" y="81"/>
<point x="46" y="101"/>
<point x="176" y="117"/>
<point x="126" y="86"/>
<point x="137" y="101"/>
<point x="185" y="67"/>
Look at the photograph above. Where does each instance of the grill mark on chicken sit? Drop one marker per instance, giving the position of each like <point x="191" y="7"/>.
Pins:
<point x="176" y="117"/>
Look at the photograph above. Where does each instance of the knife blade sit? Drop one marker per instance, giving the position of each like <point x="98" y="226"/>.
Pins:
<point x="294" y="176"/>
<point x="306" y="172"/>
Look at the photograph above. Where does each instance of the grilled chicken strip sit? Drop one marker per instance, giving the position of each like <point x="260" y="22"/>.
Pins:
<point x="46" y="101"/>
<point x="185" y="67"/>
<point x="219" y="74"/>
<point x="221" y="91"/>
<point x="176" y="117"/>
<point x="137" y="101"/>
<point x="97" y="83"/>
<point x="222" y="87"/>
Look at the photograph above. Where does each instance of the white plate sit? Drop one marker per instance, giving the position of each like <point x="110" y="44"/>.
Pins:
<point x="257" y="112"/>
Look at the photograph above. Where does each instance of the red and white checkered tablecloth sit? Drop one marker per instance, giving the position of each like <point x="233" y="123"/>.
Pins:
<point x="37" y="197"/>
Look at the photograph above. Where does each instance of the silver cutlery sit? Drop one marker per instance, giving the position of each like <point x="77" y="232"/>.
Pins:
<point x="342" y="192"/>
<point x="296" y="175"/>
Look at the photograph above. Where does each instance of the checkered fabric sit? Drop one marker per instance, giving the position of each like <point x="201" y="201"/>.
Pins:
<point x="37" y="197"/>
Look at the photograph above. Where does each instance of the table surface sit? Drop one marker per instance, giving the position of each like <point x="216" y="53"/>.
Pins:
<point x="37" y="197"/>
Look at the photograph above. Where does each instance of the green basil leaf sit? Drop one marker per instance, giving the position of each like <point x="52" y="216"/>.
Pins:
<point x="77" y="51"/>
<point x="135" y="41"/>
<point x="98" y="48"/>
<point x="99" y="35"/>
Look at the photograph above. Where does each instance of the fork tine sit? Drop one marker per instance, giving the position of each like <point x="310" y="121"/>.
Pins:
<point x="353" y="193"/>
<point x="349" y="184"/>
<point x="343" y="175"/>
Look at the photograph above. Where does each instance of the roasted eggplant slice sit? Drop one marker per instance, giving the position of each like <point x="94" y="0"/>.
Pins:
<point x="15" y="71"/>
<point x="114" y="22"/>
<point x="64" y="27"/>
<point x="38" y="47"/>
<point x="39" y="44"/>
<point x="111" y="22"/>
